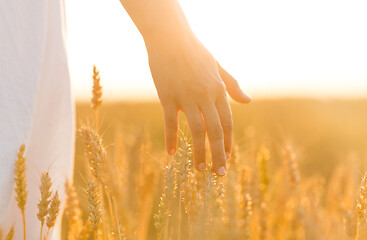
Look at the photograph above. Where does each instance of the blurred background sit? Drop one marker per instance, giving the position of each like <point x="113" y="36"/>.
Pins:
<point x="304" y="63"/>
<point x="273" y="48"/>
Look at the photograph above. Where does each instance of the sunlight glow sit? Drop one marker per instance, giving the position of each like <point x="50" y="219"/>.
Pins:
<point x="274" y="48"/>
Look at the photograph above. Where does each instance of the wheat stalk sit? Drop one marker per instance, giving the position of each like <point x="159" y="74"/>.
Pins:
<point x="21" y="185"/>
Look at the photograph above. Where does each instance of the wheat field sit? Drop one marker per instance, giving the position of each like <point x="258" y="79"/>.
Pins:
<point x="296" y="172"/>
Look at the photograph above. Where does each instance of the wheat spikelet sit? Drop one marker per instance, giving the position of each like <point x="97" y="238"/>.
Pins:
<point x="362" y="198"/>
<point x="170" y="183"/>
<point x="361" y="202"/>
<point x="94" y="205"/>
<point x="161" y="218"/>
<point x="72" y="211"/>
<point x="96" y="100"/>
<point x="53" y="212"/>
<point x="21" y="185"/>
<point x="246" y="213"/>
<point x="183" y="161"/>
<point x="45" y="199"/>
<point x="291" y="164"/>
<point x="20" y="180"/>
<point x="10" y="235"/>
<point x="118" y="232"/>
<point x="212" y="192"/>
<point x="262" y="160"/>
<point x="191" y="197"/>
<point x="96" y="154"/>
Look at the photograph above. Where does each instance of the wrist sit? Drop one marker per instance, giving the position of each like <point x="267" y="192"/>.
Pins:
<point x="161" y="22"/>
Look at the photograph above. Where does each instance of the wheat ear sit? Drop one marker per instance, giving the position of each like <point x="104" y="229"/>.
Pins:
<point x="53" y="212"/>
<point x="94" y="206"/>
<point x="96" y="100"/>
<point x="45" y="199"/>
<point x="161" y="218"/>
<point x="21" y="185"/>
<point x="361" y="202"/>
<point x="10" y="235"/>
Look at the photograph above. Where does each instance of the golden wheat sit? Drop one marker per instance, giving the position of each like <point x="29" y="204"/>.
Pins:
<point x="21" y="185"/>
<point x="44" y="202"/>
<point x="94" y="206"/>
<point x="10" y="235"/>
<point x="53" y="212"/>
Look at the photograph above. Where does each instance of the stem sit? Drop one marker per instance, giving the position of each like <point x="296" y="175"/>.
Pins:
<point x="358" y="224"/>
<point x="166" y="228"/>
<point x="96" y="119"/>
<point x="41" y="231"/>
<point x="179" y="217"/>
<point x="48" y="232"/>
<point x="24" y="233"/>
<point x="165" y="233"/>
<point x="110" y="206"/>
<point x="104" y="226"/>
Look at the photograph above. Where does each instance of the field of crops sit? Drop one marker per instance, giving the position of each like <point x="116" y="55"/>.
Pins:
<point x="295" y="173"/>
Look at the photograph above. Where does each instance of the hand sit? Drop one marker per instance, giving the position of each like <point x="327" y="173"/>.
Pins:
<point x="188" y="78"/>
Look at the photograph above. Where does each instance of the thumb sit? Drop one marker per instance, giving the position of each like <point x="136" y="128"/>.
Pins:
<point x="232" y="86"/>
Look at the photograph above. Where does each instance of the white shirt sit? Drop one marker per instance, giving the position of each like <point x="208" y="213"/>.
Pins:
<point x="35" y="105"/>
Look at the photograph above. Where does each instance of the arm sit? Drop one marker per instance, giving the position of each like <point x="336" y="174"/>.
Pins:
<point x="187" y="78"/>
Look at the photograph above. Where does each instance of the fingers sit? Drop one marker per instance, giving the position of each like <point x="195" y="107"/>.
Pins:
<point x="171" y="127"/>
<point x="232" y="86"/>
<point x="225" y="115"/>
<point x="197" y="129"/>
<point x="216" y="137"/>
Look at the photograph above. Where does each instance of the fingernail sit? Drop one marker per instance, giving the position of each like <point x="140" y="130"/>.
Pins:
<point x="249" y="98"/>
<point x="221" y="171"/>
<point x="201" y="166"/>
<point x="171" y="152"/>
<point x="227" y="155"/>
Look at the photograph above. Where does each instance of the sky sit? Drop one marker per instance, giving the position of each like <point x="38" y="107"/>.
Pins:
<point x="283" y="48"/>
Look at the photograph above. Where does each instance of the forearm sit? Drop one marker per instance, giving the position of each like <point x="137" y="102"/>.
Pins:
<point x="157" y="19"/>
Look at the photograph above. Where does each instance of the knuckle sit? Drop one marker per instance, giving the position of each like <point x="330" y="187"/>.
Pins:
<point x="198" y="130"/>
<point x="227" y="125"/>
<point x="221" y="87"/>
<point x="217" y="132"/>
